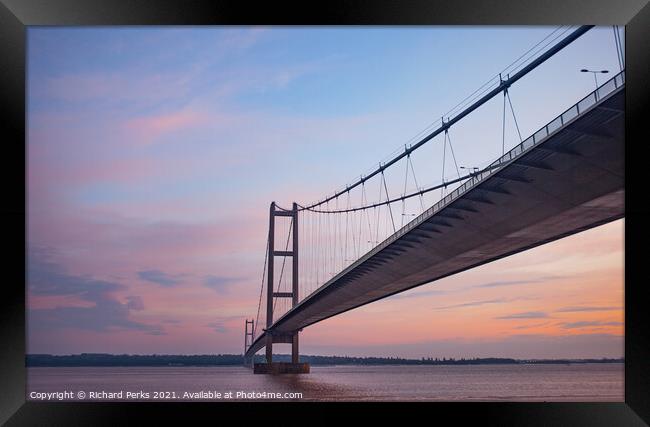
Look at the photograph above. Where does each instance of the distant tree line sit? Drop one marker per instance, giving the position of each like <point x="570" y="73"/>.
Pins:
<point x="100" y="359"/>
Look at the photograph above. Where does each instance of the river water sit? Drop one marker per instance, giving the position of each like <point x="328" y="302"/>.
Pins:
<point x="572" y="382"/>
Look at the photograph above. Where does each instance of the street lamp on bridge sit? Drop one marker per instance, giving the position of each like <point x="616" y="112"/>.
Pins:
<point x="470" y="169"/>
<point x="584" y="70"/>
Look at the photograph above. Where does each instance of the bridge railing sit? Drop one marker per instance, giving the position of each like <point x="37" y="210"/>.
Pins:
<point x="571" y="113"/>
<point x="567" y="116"/>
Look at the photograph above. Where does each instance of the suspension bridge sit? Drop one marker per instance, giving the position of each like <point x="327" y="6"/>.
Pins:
<point x="348" y="250"/>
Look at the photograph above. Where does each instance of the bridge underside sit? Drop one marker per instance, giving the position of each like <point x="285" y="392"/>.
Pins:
<point x="569" y="182"/>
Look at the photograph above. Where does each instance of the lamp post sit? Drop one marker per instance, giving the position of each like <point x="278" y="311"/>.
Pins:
<point x="584" y="70"/>
<point x="472" y="169"/>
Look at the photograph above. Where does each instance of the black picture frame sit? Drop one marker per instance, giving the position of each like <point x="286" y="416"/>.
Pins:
<point x="16" y="15"/>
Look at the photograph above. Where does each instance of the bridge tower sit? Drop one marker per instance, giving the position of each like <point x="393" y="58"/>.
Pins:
<point x="295" y="367"/>
<point x="248" y="340"/>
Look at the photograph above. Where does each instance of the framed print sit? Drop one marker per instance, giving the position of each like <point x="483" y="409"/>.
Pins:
<point x="370" y="206"/>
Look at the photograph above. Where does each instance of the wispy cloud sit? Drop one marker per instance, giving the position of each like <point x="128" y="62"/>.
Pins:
<point x="159" y="278"/>
<point x="531" y="326"/>
<point x="588" y="324"/>
<point x="220" y="283"/>
<point x="482" y="302"/>
<point x="500" y="283"/>
<point x="111" y="89"/>
<point x="106" y="313"/>
<point x="525" y="315"/>
<point x="587" y="308"/>
<point x="147" y="82"/>
<point x="473" y="303"/>
<point x="134" y="302"/>
<point x="504" y="283"/>
<point x="218" y="327"/>
<point x="46" y="277"/>
<point x="149" y="128"/>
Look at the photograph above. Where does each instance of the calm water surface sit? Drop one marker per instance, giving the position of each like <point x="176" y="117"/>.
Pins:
<point x="575" y="382"/>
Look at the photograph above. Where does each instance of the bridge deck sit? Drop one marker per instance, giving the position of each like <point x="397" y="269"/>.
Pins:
<point x="566" y="178"/>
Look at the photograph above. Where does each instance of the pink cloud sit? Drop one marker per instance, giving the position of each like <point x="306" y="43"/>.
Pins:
<point x="148" y="129"/>
<point x="108" y="245"/>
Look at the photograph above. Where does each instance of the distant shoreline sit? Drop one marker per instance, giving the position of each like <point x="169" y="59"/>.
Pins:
<point x="124" y="360"/>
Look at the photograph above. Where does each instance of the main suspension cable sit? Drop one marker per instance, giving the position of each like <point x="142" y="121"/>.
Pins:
<point x="502" y="85"/>
<point x="413" y="194"/>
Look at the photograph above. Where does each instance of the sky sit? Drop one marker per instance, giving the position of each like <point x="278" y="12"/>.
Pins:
<point x="153" y="154"/>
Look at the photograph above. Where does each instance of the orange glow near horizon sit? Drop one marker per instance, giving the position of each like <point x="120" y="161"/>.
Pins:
<point x="572" y="286"/>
